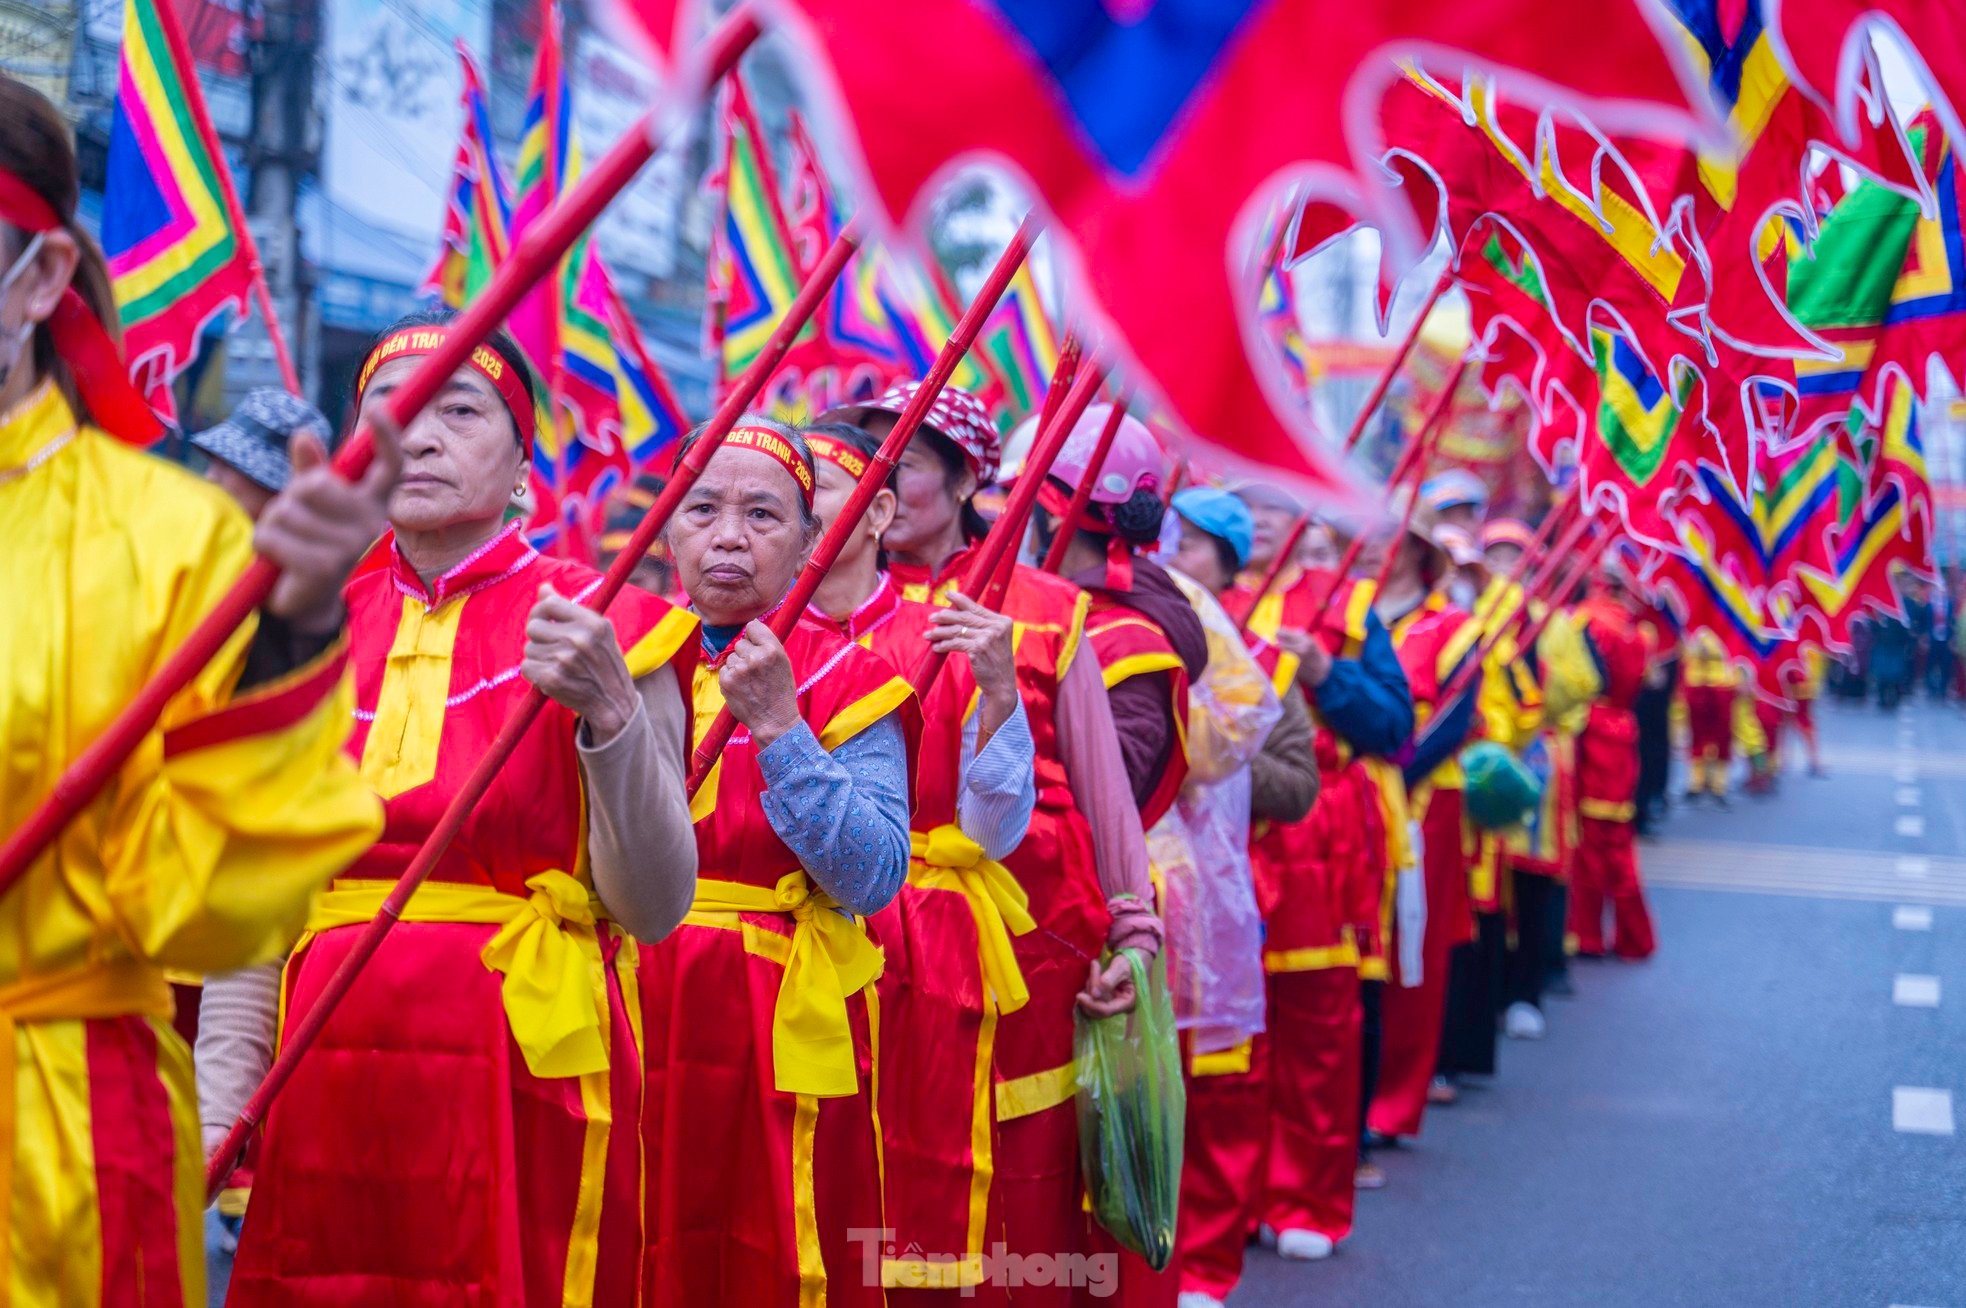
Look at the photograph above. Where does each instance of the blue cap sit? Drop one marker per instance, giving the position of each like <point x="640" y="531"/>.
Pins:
<point x="1452" y="488"/>
<point x="1219" y="514"/>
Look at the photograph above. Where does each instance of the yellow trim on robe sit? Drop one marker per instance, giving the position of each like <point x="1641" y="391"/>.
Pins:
<point x="400" y="753"/>
<point x="863" y="713"/>
<point x="1139" y="665"/>
<point x="1233" y="1061"/>
<point x="1605" y="810"/>
<point x="659" y="643"/>
<point x="1027" y="1095"/>
<point x="967" y="1270"/>
<point x="1074" y="635"/>
<point x="829" y="958"/>
<point x="1317" y="959"/>
<point x="805" y="1208"/>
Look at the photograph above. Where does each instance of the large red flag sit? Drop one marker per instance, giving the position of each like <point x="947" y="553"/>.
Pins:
<point x="1158" y="135"/>
<point x="1825" y="46"/>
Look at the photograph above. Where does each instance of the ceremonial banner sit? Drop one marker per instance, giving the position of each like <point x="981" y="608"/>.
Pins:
<point x="477" y="233"/>
<point x="179" y="254"/>
<point x="1158" y="136"/>
<point x="753" y="275"/>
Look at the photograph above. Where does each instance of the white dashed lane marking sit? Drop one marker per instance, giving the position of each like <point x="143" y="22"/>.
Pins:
<point x="1911" y="825"/>
<point x="1914" y="866"/>
<point x="1910" y="797"/>
<point x="1920" y="1110"/>
<point x="1911" y="917"/>
<point x="1915" y="990"/>
<point x="1905" y="772"/>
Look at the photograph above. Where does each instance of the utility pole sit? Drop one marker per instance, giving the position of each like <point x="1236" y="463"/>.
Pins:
<point x="285" y="149"/>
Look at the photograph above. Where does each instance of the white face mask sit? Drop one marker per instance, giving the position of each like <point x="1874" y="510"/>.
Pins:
<point x="13" y="344"/>
<point x="1462" y="592"/>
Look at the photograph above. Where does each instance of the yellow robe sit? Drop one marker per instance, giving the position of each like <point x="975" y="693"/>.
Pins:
<point x="201" y="855"/>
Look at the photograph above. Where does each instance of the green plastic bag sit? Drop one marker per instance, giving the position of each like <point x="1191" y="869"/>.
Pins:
<point x="1500" y="791"/>
<point x="1133" y="1110"/>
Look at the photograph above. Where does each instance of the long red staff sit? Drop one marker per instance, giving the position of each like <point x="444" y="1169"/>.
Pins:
<point x="295" y="1043"/>
<point x="794" y="604"/>
<point x="1409" y="457"/>
<point x="1534" y="558"/>
<point x="1398" y="360"/>
<point x="1545" y="572"/>
<point x="991" y="570"/>
<point x="1054" y="558"/>
<point x="1464" y="678"/>
<point x="537" y="252"/>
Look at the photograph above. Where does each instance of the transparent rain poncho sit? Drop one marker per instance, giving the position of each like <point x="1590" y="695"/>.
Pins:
<point x="1200" y="849"/>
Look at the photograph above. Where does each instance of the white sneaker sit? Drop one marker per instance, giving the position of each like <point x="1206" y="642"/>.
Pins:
<point x="1303" y="1246"/>
<point x="1523" y="1022"/>
<point x="1196" y="1299"/>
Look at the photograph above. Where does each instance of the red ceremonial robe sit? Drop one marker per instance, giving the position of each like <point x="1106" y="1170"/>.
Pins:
<point x="1272" y="1132"/>
<point x="1606" y="861"/>
<point x="763" y="1160"/>
<point x="425" y="1152"/>
<point x="1433" y="641"/>
<point x="1036" y="1197"/>
<point x="950" y="972"/>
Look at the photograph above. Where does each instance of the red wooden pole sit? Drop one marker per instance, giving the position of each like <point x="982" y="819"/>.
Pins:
<point x="1469" y="669"/>
<point x="194" y="103"/>
<point x="1532" y="554"/>
<point x="848" y="520"/>
<point x="1413" y="465"/>
<point x="1398" y="361"/>
<point x="296" y="1043"/>
<point x="1545" y="573"/>
<point x="1424" y="445"/>
<point x="988" y="578"/>
<point x="1285" y="549"/>
<point x="1177" y="481"/>
<point x="535" y="254"/>
<point x="1402" y="468"/>
<point x="1062" y="374"/>
<point x="1054" y="558"/>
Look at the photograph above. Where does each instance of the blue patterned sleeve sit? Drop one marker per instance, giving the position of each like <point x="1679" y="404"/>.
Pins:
<point x="844" y="814"/>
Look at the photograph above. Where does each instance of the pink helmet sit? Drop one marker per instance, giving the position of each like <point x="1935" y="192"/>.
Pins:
<point x="1133" y="462"/>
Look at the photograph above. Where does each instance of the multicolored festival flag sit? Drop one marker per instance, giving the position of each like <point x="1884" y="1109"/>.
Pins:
<point x="753" y="275"/>
<point x="1154" y="134"/>
<point x="477" y="233"/>
<point x="611" y="408"/>
<point x="179" y="253"/>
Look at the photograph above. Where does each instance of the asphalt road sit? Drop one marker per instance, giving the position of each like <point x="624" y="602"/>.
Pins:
<point x="1762" y="1115"/>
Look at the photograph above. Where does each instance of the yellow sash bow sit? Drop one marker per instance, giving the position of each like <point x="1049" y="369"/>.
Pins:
<point x="123" y="988"/>
<point x="947" y="859"/>
<point x="831" y="958"/>
<point x="547" y="953"/>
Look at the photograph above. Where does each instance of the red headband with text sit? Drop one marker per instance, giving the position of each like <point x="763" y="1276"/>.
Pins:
<point x="766" y="441"/>
<point x="838" y="453"/>
<point x="502" y="373"/>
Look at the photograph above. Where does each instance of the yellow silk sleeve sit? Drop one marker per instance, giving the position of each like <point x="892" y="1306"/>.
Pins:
<point x="217" y="833"/>
<point x="1570" y="676"/>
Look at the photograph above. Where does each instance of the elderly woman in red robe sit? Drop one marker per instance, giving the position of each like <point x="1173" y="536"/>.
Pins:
<point x="764" y="1184"/>
<point x="463" y="1131"/>
<point x="1083" y="863"/>
<point x="951" y="971"/>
